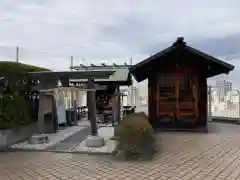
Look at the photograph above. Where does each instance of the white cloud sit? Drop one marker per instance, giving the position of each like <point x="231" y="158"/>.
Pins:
<point x="108" y="30"/>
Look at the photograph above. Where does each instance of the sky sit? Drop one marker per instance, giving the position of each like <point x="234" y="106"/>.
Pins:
<point x="49" y="32"/>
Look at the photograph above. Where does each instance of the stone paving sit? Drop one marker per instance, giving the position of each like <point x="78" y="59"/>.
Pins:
<point x="185" y="156"/>
<point x="71" y="141"/>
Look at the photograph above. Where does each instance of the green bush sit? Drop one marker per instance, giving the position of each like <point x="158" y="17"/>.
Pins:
<point x="135" y="136"/>
<point x="8" y="68"/>
<point x="14" y="72"/>
<point x="14" y="112"/>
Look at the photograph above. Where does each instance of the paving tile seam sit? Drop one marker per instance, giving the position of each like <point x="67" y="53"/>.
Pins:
<point x="217" y="167"/>
<point x="201" y="152"/>
<point x="189" y="170"/>
<point x="198" y="155"/>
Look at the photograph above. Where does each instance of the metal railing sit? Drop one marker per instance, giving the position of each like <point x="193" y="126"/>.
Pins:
<point x="223" y="103"/>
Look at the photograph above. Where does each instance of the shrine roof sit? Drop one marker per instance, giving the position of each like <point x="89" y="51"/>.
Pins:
<point x="179" y="50"/>
<point x="120" y="76"/>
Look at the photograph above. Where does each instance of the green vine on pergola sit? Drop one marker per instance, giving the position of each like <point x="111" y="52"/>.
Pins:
<point x="15" y="74"/>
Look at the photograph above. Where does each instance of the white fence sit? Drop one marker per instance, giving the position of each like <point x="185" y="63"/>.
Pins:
<point x="223" y="103"/>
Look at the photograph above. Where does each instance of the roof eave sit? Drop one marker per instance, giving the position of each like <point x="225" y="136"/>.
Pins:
<point x="225" y="65"/>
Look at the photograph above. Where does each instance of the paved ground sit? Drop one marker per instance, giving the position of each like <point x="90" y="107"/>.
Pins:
<point x="72" y="141"/>
<point x="181" y="156"/>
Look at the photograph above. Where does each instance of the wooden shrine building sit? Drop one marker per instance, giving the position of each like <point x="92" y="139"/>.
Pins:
<point x="119" y="75"/>
<point x="177" y="85"/>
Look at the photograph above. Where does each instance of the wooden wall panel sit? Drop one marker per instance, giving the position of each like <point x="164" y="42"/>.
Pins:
<point x="152" y="103"/>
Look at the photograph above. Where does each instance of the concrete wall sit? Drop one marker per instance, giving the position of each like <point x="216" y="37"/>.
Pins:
<point x="9" y="137"/>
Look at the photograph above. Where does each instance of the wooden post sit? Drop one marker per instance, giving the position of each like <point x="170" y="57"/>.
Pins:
<point x="54" y="114"/>
<point x="92" y="106"/>
<point x="116" y="107"/>
<point x="88" y="104"/>
<point x="40" y="121"/>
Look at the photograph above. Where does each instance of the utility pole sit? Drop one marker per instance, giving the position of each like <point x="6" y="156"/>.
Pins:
<point x="83" y="60"/>
<point x="71" y="63"/>
<point x="17" y="54"/>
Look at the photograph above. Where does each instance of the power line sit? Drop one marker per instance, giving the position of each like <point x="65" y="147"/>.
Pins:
<point x="32" y="54"/>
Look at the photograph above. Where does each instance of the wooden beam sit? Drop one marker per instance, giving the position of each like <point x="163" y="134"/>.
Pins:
<point x="40" y="121"/>
<point x="118" y="106"/>
<point x="91" y="103"/>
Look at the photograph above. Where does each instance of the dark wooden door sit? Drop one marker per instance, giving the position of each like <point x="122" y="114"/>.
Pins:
<point x="186" y="95"/>
<point x="167" y="95"/>
<point x="177" y="95"/>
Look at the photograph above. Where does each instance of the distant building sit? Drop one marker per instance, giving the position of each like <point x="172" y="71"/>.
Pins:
<point x="223" y="87"/>
<point x="228" y="86"/>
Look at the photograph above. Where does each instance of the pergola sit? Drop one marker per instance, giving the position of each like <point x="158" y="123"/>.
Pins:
<point x="46" y="81"/>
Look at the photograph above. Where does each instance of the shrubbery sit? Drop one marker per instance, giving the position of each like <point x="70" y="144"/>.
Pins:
<point x="135" y="136"/>
<point x="14" y="112"/>
<point x="8" y="68"/>
<point x="14" y="109"/>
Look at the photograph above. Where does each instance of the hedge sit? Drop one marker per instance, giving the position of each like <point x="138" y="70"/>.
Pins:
<point x="14" y="108"/>
<point x="14" y="68"/>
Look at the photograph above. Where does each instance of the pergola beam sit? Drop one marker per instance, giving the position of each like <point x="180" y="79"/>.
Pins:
<point x="49" y="79"/>
<point x="72" y="74"/>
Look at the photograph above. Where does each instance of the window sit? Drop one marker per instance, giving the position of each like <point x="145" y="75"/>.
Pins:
<point x="167" y="85"/>
<point x="185" y="86"/>
<point x="185" y="82"/>
<point x="167" y="80"/>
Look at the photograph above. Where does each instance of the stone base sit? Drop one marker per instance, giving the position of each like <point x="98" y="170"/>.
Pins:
<point x="94" y="141"/>
<point x="238" y="122"/>
<point x="38" y="139"/>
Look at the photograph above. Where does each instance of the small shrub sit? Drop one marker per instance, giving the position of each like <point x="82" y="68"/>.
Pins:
<point x="135" y="136"/>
